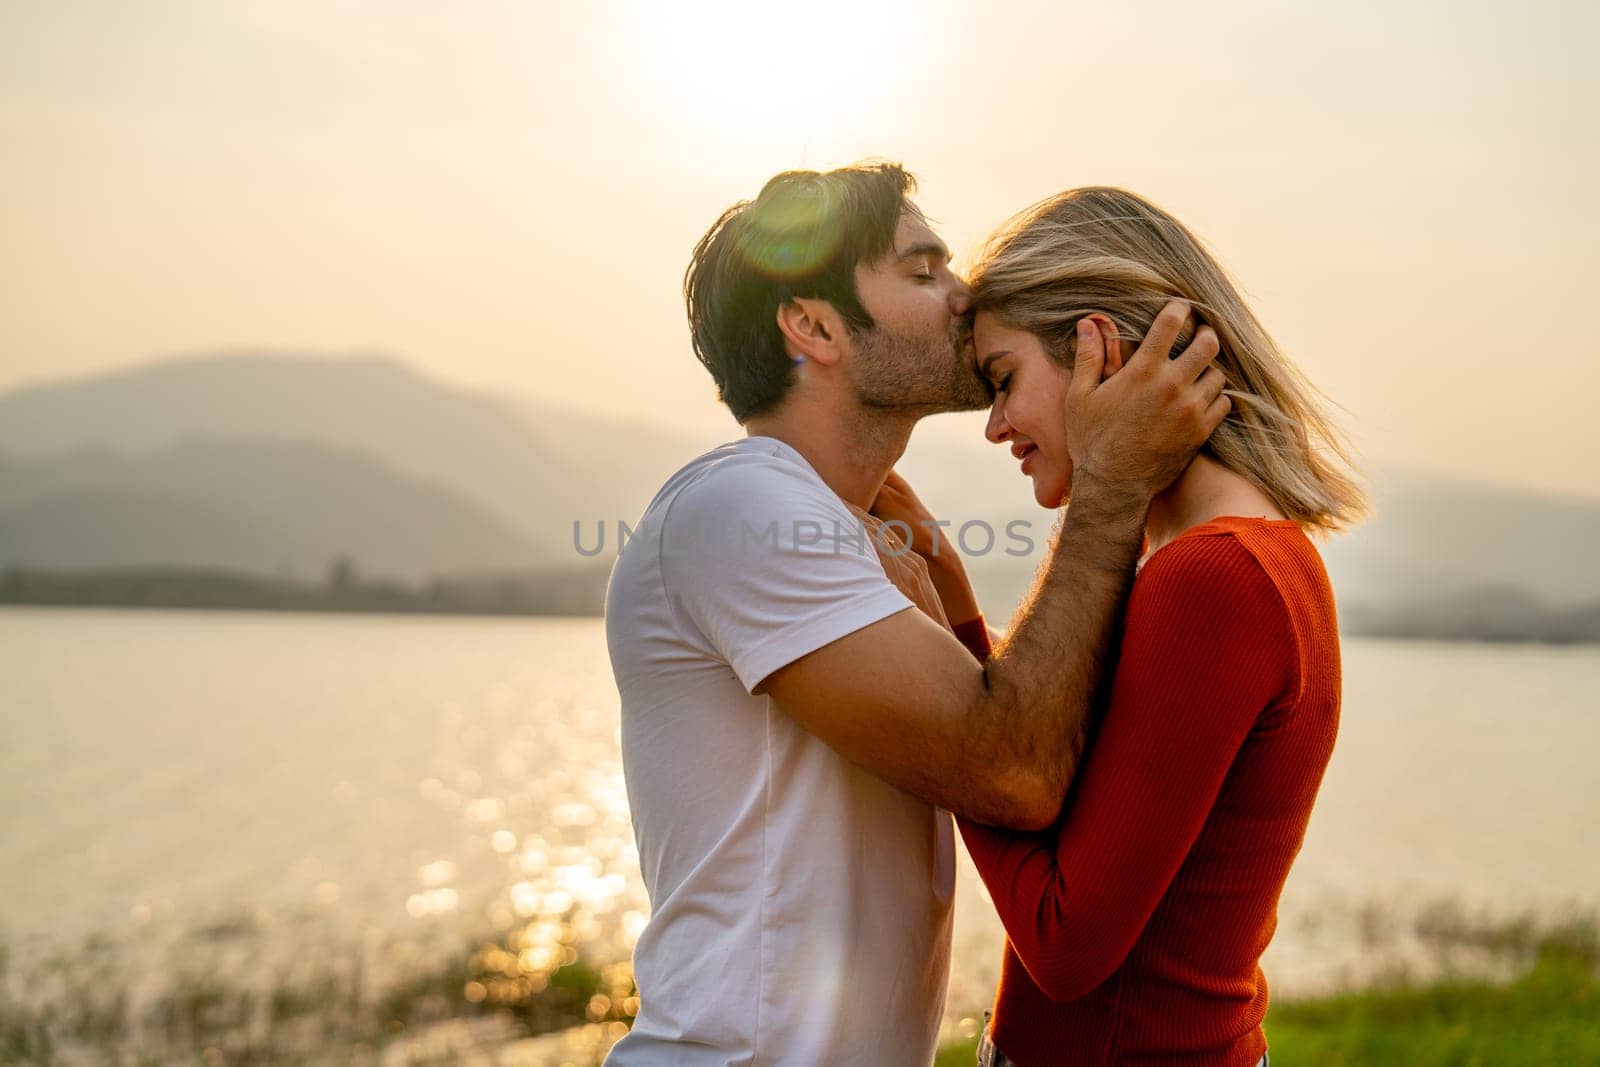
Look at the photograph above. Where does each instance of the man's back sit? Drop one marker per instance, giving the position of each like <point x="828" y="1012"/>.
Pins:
<point x="801" y="906"/>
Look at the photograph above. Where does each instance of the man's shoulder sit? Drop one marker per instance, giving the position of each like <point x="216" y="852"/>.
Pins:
<point x="746" y="496"/>
<point x="750" y="477"/>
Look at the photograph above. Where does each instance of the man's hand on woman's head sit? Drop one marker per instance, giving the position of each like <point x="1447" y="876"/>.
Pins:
<point x="1134" y="432"/>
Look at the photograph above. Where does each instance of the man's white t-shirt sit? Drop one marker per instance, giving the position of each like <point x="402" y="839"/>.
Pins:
<point x="800" y="907"/>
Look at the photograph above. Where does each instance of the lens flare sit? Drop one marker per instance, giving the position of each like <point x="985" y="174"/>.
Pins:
<point x="792" y="237"/>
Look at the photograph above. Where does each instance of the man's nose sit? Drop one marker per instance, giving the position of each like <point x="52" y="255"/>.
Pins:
<point x="998" y="429"/>
<point x="960" y="298"/>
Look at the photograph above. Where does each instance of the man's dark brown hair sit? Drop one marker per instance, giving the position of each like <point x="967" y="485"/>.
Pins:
<point x="802" y="236"/>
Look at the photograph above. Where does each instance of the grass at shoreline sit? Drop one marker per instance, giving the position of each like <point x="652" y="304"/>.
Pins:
<point x="1551" y="1015"/>
<point x="214" y="998"/>
<point x="1548" y="1016"/>
<point x="1544" y="1007"/>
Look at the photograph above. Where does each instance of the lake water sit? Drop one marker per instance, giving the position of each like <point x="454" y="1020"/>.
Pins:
<point x="425" y="779"/>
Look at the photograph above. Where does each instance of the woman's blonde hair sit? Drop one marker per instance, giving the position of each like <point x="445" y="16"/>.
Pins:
<point x="1106" y="250"/>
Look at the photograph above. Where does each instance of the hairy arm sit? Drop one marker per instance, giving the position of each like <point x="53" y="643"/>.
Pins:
<point x="996" y="743"/>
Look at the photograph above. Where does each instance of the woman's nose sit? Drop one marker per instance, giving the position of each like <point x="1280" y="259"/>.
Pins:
<point x="998" y="429"/>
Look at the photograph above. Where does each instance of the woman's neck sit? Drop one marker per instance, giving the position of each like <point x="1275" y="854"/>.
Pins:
<point x="1205" y="491"/>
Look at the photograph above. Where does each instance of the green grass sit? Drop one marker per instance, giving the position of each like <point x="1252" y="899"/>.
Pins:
<point x="1551" y="1015"/>
<point x="957" y="1054"/>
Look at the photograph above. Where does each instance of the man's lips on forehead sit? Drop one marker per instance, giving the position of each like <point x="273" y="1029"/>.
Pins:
<point x="967" y="348"/>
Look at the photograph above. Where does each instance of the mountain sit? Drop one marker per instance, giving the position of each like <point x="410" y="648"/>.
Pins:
<point x="258" y="504"/>
<point x="535" y="469"/>
<point x="1435" y="536"/>
<point x="277" y="463"/>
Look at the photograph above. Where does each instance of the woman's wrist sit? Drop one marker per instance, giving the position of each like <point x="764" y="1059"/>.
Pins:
<point x="955" y="591"/>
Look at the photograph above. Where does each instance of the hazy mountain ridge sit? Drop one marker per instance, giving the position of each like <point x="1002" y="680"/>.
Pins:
<point x="275" y="506"/>
<point x="535" y="469"/>
<point x="276" y="463"/>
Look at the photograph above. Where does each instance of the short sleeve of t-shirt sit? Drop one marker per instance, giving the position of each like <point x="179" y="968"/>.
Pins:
<point x="767" y="564"/>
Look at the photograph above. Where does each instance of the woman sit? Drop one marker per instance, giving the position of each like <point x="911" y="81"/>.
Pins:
<point x="1136" y="924"/>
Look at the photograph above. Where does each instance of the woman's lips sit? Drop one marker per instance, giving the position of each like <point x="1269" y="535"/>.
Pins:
<point x="1026" y="455"/>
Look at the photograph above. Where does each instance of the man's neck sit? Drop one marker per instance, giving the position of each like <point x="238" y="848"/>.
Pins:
<point x="852" y="451"/>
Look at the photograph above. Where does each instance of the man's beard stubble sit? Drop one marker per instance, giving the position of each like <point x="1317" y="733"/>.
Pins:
<point x="897" y="371"/>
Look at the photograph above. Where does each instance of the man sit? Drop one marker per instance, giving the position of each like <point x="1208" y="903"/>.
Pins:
<point x="794" y="731"/>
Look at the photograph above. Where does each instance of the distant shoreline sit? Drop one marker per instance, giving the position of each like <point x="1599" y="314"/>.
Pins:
<point x="574" y="593"/>
<point x="581" y="594"/>
<point x="294" y="610"/>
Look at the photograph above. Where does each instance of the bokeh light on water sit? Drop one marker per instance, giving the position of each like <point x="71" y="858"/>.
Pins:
<point x="442" y="855"/>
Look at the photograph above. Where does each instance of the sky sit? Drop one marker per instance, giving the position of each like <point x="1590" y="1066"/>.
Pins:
<point x="506" y="194"/>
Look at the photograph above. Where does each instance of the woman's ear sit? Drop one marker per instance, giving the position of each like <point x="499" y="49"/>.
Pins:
<point x="1112" y="341"/>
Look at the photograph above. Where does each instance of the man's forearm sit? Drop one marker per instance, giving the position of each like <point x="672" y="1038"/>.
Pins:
<point x="1043" y="677"/>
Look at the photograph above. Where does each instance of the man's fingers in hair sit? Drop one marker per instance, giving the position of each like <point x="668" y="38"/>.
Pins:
<point x="1193" y="361"/>
<point x="1163" y="332"/>
<point x="1216" y="413"/>
<point x="1089" y="359"/>
<point x="1212" y="383"/>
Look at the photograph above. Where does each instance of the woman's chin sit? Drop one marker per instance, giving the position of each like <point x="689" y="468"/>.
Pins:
<point x="1047" y="494"/>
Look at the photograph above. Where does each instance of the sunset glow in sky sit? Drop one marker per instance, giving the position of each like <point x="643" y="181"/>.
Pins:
<point x="505" y="194"/>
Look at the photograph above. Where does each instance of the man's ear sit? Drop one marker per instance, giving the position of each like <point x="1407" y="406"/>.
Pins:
<point x="1112" y="341"/>
<point x="811" y="328"/>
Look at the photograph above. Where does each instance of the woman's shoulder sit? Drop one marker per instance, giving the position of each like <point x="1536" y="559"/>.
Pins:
<point x="1233" y="543"/>
<point x="1232" y="557"/>
<point x="1226" y="540"/>
<point x="1242" y="571"/>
